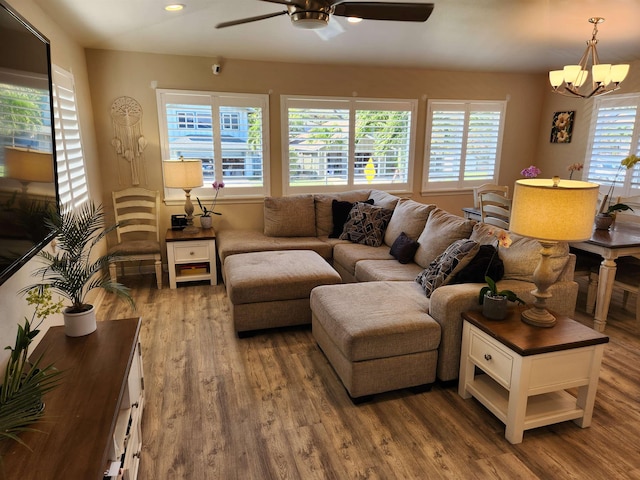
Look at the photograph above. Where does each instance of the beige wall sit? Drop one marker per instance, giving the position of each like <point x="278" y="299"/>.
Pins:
<point x="114" y="74"/>
<point x="67" y="54"/>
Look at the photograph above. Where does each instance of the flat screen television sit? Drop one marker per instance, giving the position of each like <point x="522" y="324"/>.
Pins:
<point x="28" y="178"/>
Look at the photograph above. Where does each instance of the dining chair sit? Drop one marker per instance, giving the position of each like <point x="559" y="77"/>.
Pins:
<point x="495" y="209"/>
<point x="488" y="188"/>
<point x="136" y="211"/>
<point x="628" y="280"/>
<point x="629" y="215"/>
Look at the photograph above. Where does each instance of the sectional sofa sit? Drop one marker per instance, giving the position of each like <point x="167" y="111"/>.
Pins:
<point x="312" y="222"/>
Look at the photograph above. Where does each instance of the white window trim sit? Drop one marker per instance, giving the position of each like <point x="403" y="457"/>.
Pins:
<point x="352" y="104"/>
<point x="450" y="186"/>
<point x="176" y="196"/>
<point x="72" y="178"/>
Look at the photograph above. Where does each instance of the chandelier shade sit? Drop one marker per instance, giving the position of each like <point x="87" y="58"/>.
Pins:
<point x="605" y="78"/>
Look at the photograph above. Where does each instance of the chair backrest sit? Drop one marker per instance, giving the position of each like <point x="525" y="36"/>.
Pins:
<point x="136" y="210"/>
<point x="488" y="188"/>
<point x="495" y="209"/>
<point x="629" y="215"/>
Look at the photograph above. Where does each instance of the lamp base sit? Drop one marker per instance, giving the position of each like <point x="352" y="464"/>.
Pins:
<point x="538" y="317"/>
<point x="191" y="229"/>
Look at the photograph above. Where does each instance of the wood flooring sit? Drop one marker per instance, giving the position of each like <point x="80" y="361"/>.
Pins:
<point x="271" y="407"/>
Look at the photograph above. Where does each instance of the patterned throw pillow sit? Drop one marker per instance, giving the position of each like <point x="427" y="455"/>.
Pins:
<point x="443" y="269"/>
<point x="366" y="224"/>
<point x="340" y="212"/>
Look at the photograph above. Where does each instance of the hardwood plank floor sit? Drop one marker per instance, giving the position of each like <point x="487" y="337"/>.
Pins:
<point x="271" y="407"/>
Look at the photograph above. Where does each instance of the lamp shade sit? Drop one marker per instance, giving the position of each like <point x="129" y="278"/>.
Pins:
<point x="185" y="174"/>
<point x="553" y="210"/>
<point x="28" y="165"/>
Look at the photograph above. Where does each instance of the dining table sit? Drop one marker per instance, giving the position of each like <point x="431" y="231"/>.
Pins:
<point x="621" y="239"/>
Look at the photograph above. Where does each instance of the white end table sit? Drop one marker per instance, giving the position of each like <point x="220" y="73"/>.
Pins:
<point x="191" y="256"/>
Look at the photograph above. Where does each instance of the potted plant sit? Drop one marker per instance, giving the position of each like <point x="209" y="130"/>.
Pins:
<point x="72" y="271"/>
<point x="604" y="219"/>
<point x="205" y="217"/>
<point x="25" y="383"/>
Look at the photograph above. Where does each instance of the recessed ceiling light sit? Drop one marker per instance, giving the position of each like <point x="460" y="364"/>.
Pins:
<point x="174" y="7"/>
<point x="354" y="19"/>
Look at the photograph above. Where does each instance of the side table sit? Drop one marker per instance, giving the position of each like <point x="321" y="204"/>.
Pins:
<point x="523" y="371"/>
<point x="191" y="256"/>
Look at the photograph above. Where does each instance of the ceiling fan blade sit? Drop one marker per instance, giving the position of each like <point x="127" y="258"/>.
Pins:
<point x="299" y="4"/>
<point x="250" y="19"/>
<point x="401" y="12"/>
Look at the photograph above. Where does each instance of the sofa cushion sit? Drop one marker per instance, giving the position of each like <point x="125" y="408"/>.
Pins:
<point x="404" y="248"/>
<point x="384" y="199"/>
<point x="293" y="216"/>
<point x="366" y="224"/>
<point x="340" y="213"/>
<point x="409" y="217"/>
<point x="323" y="202"/>
<point x="522" y="257"/>
<point x="348" y="254"/>
<point x="444" y="268"/>
<point x="386" y="270"/>
<point x="441" y="230"/>
<point x="486" y="262"/>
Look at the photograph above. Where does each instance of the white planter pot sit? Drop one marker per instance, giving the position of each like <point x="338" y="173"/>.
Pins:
<point x="79" y="324"/>
<point x="206" y="222"/>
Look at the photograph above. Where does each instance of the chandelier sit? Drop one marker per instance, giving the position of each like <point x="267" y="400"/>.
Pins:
<point x="605" y="77"/>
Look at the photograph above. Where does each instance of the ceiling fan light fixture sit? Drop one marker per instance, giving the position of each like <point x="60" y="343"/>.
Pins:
<point x="310" y="20"/>
<point x="174" y="7"/>
<point x="605" y="78"/>
<point x="354" y="19"/>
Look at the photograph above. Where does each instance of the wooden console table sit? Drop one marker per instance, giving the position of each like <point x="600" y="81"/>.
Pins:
<point x="92" y="419"/>
<point x="525" y="370"/>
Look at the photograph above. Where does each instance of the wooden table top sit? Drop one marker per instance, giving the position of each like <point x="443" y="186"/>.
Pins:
<point x="525" y="339"/>
<point x="622" y="234"/>
<point x="180" y="235"/>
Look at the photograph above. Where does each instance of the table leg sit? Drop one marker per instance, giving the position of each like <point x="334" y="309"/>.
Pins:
<point x="607" y="276"/>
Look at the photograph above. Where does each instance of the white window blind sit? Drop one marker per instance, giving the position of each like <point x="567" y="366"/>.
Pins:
<point x="463" y="143"/>
<point x="228" y="132"/>
<point x="72" y="179"/>
<point x="615" y="128"/>
<point x="336" y="144"/>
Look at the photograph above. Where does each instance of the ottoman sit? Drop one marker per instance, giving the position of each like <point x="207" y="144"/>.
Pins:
<point x="271" y="289"/>
<point x="377" y="336"/>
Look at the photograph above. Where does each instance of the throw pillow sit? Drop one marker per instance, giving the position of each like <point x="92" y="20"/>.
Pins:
<point x="441" y="230"/>
<point x="340" y="211"/>
<point x="404" y="248"/>
<point x="323" y="201"/>
<point x="486" y="262"/>
<point x="443" y="269"/>
<point x="409" y="217"/>
<point x="293" y="216"/>
<point x="366" y="224"/>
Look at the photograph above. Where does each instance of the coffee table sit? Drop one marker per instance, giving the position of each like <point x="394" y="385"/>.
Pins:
<point x="523" y="372"/>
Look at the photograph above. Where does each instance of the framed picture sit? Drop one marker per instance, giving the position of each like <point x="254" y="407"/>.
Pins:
<point x="561" y="127"/>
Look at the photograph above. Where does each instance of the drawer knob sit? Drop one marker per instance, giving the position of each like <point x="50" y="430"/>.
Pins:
<point x="487" y="357"/>
<point x="191" y="253"/>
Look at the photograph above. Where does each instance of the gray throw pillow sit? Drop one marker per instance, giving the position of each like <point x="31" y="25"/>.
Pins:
<point x="366" y="224"/>
<point x="444" y="268"/>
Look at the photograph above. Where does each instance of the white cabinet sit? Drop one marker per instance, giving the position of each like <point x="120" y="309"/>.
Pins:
<point x="191" y="256"/>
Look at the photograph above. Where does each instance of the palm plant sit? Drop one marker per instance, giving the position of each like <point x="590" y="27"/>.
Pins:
<point x="71" y="271"/>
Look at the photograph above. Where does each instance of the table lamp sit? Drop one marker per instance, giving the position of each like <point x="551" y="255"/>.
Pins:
<point x="551" y="211"/>
<point x="27" y="166"/>
<point x="184" y="174"/>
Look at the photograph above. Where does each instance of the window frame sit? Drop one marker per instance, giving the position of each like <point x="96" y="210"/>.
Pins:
<point x="466" y="106"/>
<point x="216" y="100"/>
<point x="624" y="186"/>
<point x="353" y="105"/>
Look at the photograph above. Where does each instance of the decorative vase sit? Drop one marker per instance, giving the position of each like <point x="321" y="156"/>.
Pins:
<point x="205" y="222"/>
<point x="79" y="324"/>
<point x="495" y="307"/>
<point x="603" y="221"/>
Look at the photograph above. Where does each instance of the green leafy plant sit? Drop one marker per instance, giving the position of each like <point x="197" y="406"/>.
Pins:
<point x="492" y="289"/>
<point x="72" y="271"/>
<point x="207" y="212"/>
<point x="627" y="163"/>
<point x="25" y="383"/>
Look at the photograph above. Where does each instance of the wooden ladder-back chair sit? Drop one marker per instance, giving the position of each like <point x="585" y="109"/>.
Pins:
<point x="136" y="211"/>
<point x="488" y="188"/>
<point x="495" y="209"/>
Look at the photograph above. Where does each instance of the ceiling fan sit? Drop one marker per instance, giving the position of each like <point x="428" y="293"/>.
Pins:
<point x="314" y="14"/>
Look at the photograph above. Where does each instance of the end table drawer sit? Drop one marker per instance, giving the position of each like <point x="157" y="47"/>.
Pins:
<point x="191" y="252"/>
<point x="490" y="358"/>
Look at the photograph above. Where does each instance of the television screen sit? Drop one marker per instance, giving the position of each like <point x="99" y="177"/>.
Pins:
<point x="28" y="187"/>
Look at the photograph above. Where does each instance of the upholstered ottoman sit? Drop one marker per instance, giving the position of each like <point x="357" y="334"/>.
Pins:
<point x="377" y="336"/>
<point x="271" y="289"/>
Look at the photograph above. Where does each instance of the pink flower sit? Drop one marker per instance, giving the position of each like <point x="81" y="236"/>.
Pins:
<point x="218" y="185"/>
<point x="531" y="172"/>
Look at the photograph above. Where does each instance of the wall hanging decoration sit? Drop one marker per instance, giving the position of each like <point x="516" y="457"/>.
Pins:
<point x="128" y="141"/>
<point x="561" y="127"/>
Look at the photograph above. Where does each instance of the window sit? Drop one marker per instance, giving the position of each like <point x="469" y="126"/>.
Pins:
<point x="615" y="132"/>
<point x="228" y="132"/>
<point x="72" y="179"/>
<point x="335" y="144"/>
<point x="463" y="144"/>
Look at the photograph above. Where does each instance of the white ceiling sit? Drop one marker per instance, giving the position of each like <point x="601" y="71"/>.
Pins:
<point x="485" y="35"/>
